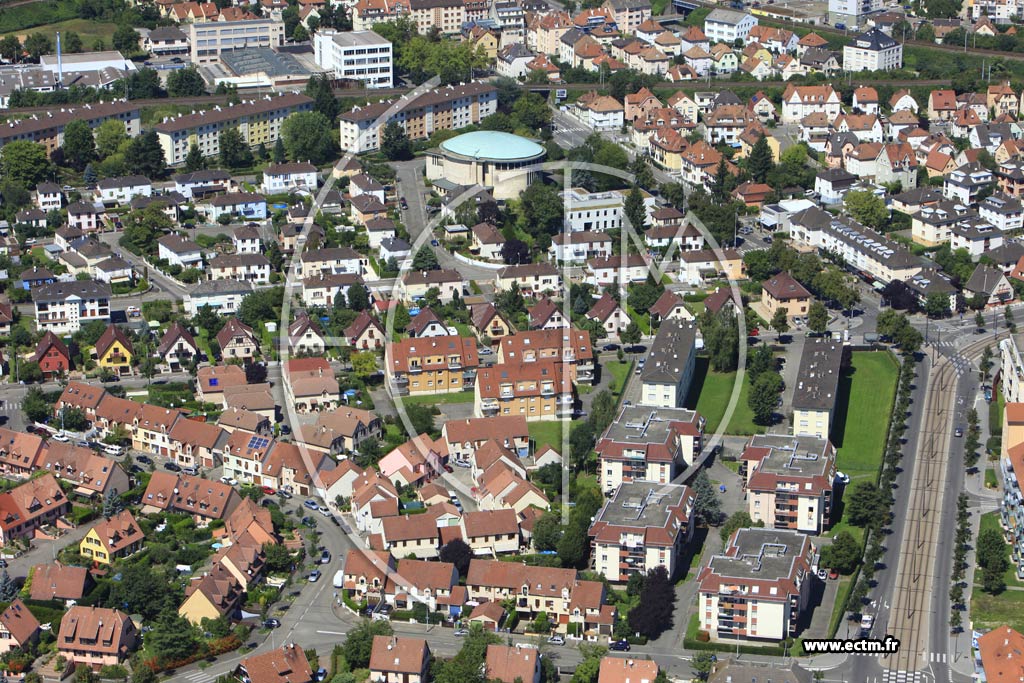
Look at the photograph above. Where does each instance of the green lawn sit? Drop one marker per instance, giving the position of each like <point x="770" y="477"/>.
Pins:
<point x="619" y="372"/>
<point x="642" y="320"/>
<point x="88" y="31"/>
<point x="990" y="520"/>
<point x="439" y="399"/>
<point x="547" y="433"/>
<point x="863" y="409"/>
<point x="991" y="611"/>
<point x="866" y="394"/>
<point x="709" y="395"/>
<point x="991" y="481"/>
<point x="463" y="329"/>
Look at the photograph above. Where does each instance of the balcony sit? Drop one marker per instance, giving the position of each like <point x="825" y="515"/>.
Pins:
<point x="547" y="391"/>
<point x="454" y="365"/>
<point x="489" y="408"/>
<point x="415" y="369"/>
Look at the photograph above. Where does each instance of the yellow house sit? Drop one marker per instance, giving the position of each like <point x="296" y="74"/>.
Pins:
<point x="749" y="138"/>
<point x="215" y="594"/>
<point x="112" y="538"/>
<point x="480" y="37"/>
<point x="114" y="350"/>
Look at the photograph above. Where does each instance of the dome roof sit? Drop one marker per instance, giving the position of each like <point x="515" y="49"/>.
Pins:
<point x="486" y="144"/>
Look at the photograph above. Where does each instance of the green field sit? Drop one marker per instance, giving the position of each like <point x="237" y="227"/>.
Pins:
<point x="866" y="394"/>
<point x="619" y="372"/>
<point x="991" y="611"/>
<point x="87" y="30"/>
<point x="547" y="433"/>
<point x="439" y="399"/>
<point x="709" y="395"/>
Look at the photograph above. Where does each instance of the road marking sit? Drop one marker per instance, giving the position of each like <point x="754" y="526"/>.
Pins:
<point x="901" y="676"/>
<point x="331" y="633"/>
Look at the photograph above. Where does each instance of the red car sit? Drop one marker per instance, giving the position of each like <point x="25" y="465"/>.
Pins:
<point x="833" y="574"/>
<point x="269" y="491"/>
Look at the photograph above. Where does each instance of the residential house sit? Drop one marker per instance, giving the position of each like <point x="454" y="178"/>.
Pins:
<point x="116" y="537"/>
<point x="789" y="481"/>
<point x="114" y="351"/>
<point x="95" y="637"/>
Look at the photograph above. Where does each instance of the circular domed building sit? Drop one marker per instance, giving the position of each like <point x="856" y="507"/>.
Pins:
<point x="490" y="158"/>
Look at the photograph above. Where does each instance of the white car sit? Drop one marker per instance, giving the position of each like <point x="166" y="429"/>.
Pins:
<point x="61" y="436"/>
<point x="229" y="481"/>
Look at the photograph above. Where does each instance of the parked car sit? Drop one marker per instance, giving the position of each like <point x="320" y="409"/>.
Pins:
<point x="144" y="459"/>
<point x="308" y="521"/>
<point x="311" y="504"/>
<point x="269" y="491"/>
<point x="229" y="480"/>
<point x="449" y="469"/>
<point x="172" y="466"/>
<point x="320" y="674"/>
<point x="610" y="347"/>
<point x="459" y="632"/>
<point x="842" y="478"/>
<point x="556" y="640"/>
<point x="191" y="470"/>
<point x="324" y="510"/>
<point x="272" y="623"/>
<point x="325" y="557"/>
<point x="284" y="495"/>
<point x="61" y="436"/>
<point x="314" y="576"/>
<point x="619" y="646"/>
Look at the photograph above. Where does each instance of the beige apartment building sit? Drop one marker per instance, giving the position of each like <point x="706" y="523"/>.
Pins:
<point x="817" y="385"/>
<point x="789" y="481"/>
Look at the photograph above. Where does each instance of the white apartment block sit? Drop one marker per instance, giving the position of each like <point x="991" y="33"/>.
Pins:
<point x="355" y="55"/>
<point x="728" y="26"/>
<point x="873" y="51"/>
<point x="852" y="12"/>
<point x="1011" y="366"/>
<point x="62" y="307"/>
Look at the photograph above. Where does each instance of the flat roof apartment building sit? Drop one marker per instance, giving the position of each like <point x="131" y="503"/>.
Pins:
<point x="645" y="525"/>
<point x="649" y="444"/>
<point x="789" y="481"/>
<point x="758" y="587"/>
<point x="360" y="56"/>
<point x="817" y="385"/>
<point x="452" y="107"/>
<point x="209" y="39"/>
<point x="259" y="121"/>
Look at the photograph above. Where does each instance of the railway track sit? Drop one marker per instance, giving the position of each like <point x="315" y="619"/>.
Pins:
<point x="914" y="597"/>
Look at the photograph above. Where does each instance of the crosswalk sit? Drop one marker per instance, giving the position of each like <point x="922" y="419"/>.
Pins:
<point x="900" y="676"/>
<point x="199" y="676"/>
<point x="937" y="657"/>
<point x="10" y="406"/>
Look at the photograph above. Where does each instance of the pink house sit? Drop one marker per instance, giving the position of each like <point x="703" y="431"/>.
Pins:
<point x="414" y="461"/>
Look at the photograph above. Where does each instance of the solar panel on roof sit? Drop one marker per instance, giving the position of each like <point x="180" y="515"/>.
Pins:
<point x="258" y="442"/>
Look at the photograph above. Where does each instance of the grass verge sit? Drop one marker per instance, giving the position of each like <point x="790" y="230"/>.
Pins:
<point x="709" y="395"/>
<point x="440" y="399"/>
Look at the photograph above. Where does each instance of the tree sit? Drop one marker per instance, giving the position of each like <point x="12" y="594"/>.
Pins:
<point x="764" y="396"/>
<point x="866" y="505"/>
<point x="547" y="531"/>
<point x="300" y="34"/>
<point x="866" y="207"/>
<point x="194" y="160"/>
<point x="143" y="226"/>
<point x="25" y="162"/>
<point x="79" y="146"/>
<point x="817" y="317"/>
<point x="634" y="209"/>
<point x="395" y="144"/>
<point x="358" y="299"/>
<point x="736" y="521"/>
<point x="110" y="138"/>
<point x="38" y="44"/>
<point x="760" y="162"/>
<point x="10" y="48"/>
<point x="278" y="156"/>
<point x="187" y="82"/>
<point x="30" y="372"/>
<point x="631" y="335"/>
<point x="126" y="40"/>
<point x="760" y="360"/>
<point x="425" y="259"/>
<point x="706" y="505"/>
<point x="780" y="321"/>
<point x="8" y="589"/>
<point x="319" y="88"/>
<point x="112" y="504"/>
<point x="364" y="363"/>
<point x="515" y="251"/>
<point x="278" y="558"/>
<point x="255" y="373"/>
<point x="844" y="553"/>
<point x="359" y="643"/>
<point x="936" y="305"/>
<point x="144" y="155"/>
<point x="421" y="417"/>
<point x="71" y="42"/>
<point x="234" y="151"/>
<point x="540" y="211"/>
<point x="991" y="549"/>
<point x="652" y="615"/>
<point x="701" y="663"/>
<point x="307" y="137"/>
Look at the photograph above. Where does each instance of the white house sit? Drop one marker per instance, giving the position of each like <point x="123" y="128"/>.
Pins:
<point x="512" y="60"/>
<point x="179" y="251"/>
<point x="243" y="204"/>
<point x="246" y="240"/>
<point x="49" y="196"/>
<point x="223" y="296"/>
<point x="873" y="51"/>
<point x="728" y="26"/>
<point x="253" y="268"/>
<point x="1002" y="211"/>
<point x="299" y="175"/>
<point x="600" y="112"/>
<point x="799" y="101"/>
<point x="361" y="184"/>
<point x="113" y="191"/>
<point x="84" y="216"/>
<point x="602" y="272"/>
<point x="201" y="183"/>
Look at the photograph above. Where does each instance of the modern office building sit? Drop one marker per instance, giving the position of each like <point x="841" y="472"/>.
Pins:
<point x="209" y="39"/>
<point x="360" y="56"/>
